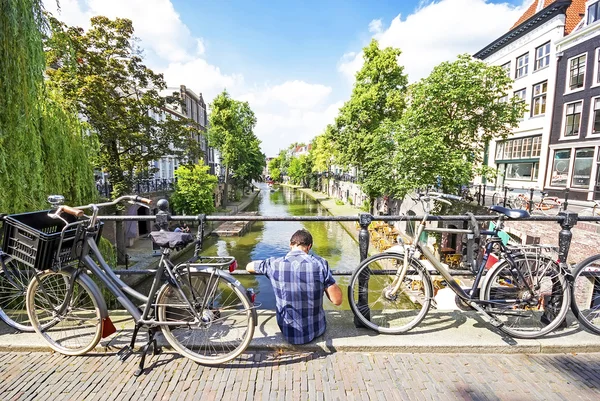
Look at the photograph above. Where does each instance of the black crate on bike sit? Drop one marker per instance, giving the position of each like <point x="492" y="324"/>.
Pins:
<point x="33" y="238"/>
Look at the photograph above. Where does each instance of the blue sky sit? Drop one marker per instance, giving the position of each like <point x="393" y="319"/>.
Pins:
<point x="294" y="62"/>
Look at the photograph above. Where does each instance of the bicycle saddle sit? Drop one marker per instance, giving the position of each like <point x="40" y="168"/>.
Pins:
<point x="510" y="213"/>
<point x="170" y="239"/>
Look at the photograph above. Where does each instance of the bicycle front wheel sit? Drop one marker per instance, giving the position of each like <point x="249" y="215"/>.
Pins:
<point x="530" y="298"/>
<point x="371" y="299"/>
<point x="64" y="312"/>
<point x="14" y="279"/>
<point x="217" y="322"/>
<point x="585" y="297"/>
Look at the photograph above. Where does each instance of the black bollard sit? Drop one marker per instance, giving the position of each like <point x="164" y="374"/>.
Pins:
<point x="565" y="235"/>
<point x="566" y="202"/>
<point x="530" y="206"/>
<point x="364" y="219"/>
<point x="483" y="197"/>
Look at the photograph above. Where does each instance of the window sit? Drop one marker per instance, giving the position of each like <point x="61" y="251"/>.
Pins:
<point x="521" y="94"/>
<point x="560" y="168"/>
<point x="536" y="146"/>
<point x="577" y="72"/>
<point x="522" y="148"/>
<point x="596" y="116"/>
<point x="506" y="67"/>
<point x="542" y="56"/>
<point x="538" y="106"/>
<point x="597" y="66"/>
<point x="520" y="171"/>
<point x="582" y="168"/>
<point x="572" y="119"/>
<point x="522" y="63"/>
<point x="593" y="13"/>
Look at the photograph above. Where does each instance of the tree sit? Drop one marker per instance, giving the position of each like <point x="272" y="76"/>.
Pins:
<point x="43" y="149"/>
<point x="194" y="189"/>
<point x="300" y="170"/>
<point x="102" y="74"/>
<point x="362" y="134"/>
<point x="452" y="115"/>
<point x="323" y="152"/>
<point x="274" y="168"/>
<point x="231" y="132"/>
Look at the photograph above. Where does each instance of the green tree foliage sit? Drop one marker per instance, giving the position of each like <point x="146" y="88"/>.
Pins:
<point x="452" y="114"/>
<point x="274" y="168"/>
<point x="362" y="134"/>
<point x="194" y="189"/>
<point x="323" y="152"/>
<point x="42" y="146"/>
<point x="232" y="133"/>
<point x="102" y="74"/>
<point x="300" y="170"/>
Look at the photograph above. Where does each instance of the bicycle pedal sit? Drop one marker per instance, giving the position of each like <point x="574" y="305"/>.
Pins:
<point x="156" y="350"/>
<point x="124" y="353"/>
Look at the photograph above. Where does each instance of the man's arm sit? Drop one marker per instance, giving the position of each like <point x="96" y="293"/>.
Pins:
<point x="334" y="293"/>
<point x="250" y="268"/>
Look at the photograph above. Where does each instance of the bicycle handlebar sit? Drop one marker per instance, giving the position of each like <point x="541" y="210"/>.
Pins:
<point x="133" y="198"/>
<point x="70" y="210"/>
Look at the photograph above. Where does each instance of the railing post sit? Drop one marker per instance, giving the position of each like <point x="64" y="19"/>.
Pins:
<point x="530" y="207"/>
<point x="162" y="216"/>
<point x="479" y="195"/>
<point x="566" y="202"/>
<point x="505" y="191"/>
<point x="364" y="219"/>
<point x="565" y="235"/>
<point x="483" y="196"/>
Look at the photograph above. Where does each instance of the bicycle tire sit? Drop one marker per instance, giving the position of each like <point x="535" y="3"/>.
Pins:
<point x="209" y="337"/>
<point x="79" y="328"/>
<point x="381" y="312"/>
<point x="13" y="290"/>
<point x="525" y="314"/>
<point x="585" y="301"/>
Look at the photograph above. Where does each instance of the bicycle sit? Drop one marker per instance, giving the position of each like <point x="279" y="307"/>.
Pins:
<point x="525" y="297"/>
<point x="585" y="297"/>
<point x="510" y="201"/>
<point x="592" y="210"/>
<point x="546" y="203"/>
<point x="203" y="312"/>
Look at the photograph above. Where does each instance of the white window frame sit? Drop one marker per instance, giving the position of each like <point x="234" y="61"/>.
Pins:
<point x="587" y="13"/>
<point x="542" y="95"/>
<point x="525" y="66"/>
<point x="564" y="120"/>
<point x="545" y="57"/>
<point x="596" y="77"/>
<point x="506" y="67"/>
<point x="591" y="120"/>
<point x="568" y="81"/>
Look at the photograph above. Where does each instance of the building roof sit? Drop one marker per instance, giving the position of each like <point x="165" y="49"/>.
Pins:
<point x="573" y="14"/>
<point x="531" y="20"/>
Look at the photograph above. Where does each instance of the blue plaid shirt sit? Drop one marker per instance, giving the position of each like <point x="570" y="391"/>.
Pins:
<point x="299" y="281"/>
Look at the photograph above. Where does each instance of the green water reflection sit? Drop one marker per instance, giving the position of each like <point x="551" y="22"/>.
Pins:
<point x="267" y="239"/>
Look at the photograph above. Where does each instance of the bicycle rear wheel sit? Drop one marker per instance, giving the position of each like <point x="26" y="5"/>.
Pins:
<point x="585" y="297"/>
<point x="530" y="298"/>
<point x="218" y="328"/>
<point x="385" y="313"/>
<point x="14" y="279"/>
<point x="71" y="329"/>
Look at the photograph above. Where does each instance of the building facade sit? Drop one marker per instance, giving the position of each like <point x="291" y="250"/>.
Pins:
<point x="574" y="152"/>
<point x="528" y="54"/>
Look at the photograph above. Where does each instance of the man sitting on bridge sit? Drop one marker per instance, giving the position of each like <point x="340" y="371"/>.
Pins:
<point x="299" y="281"/>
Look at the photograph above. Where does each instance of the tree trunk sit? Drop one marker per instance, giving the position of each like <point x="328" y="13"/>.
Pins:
<point x="226" y="194"/>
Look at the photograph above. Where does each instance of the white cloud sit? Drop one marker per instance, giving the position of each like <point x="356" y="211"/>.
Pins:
<point x="438" y="31"/>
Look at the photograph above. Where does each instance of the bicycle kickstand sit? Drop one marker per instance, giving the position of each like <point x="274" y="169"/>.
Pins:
<point x="144" y="350"/>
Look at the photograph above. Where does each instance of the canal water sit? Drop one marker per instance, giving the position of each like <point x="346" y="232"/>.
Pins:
<point x="271" y="238"/>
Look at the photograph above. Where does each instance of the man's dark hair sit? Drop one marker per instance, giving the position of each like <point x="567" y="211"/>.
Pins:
<point x="301" y="237"/>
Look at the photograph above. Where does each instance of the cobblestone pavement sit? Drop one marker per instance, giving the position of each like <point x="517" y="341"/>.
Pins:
<point x="303" y="376"/>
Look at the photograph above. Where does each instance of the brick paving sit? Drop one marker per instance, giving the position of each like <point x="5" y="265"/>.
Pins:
<point x="303" y="376"/>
